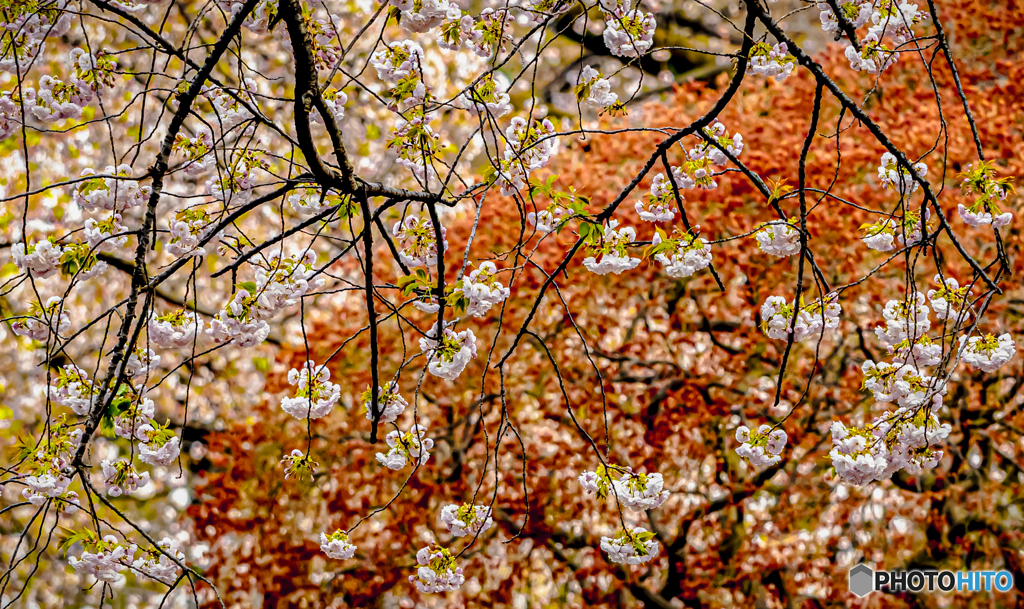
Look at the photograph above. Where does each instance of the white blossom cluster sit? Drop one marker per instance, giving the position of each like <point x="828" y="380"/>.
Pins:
<point x="812" y="321"/>
<point x="33" y="28"/>
<point x="46" y="465"/>
<point x="482" y="290"/>
<point x="229" y="112"/>
<point x="45" y="320"/>
<point x="636" y="491"/>
<point x="639" y="491"/>
<point x="237" y="183"/>
<point x="198" y="151"/>
<point x="334" y="100"/>
<point x="630" y="34"/>
<point x="466" y="520"/>
<point x="891" y="20"/>
<point x="856" y="14"/>
<point x="437" y="571"/>
<point x="122" y="479"/>
<point x="390" y="403"/>
<point x="682" y="256"/>
<point x="762" y="447"/>
<point x="990" y="193"/>
<point x="633" y="547"/>
<point x="902" y="383"/>
<point x="189" y="227"/>
<point x="706" y="151"/>
<point x="950" y="300"/>
<point x="315" y="395"/>
<point x="893" y="441"/>
<point x="281" y="281"/>
<point x="987" y="353"/>
<point x="448" y="359"/>
<point x="116" y="191"/>
<point x="529" y="144"/>
<point x="884" y="235"/>
<point x="73" y="388"/>
<point x="610" y="254"/>
<point x="547" y="220"/>
<point x="337" y="545"/>
<point x="905" y="320"/>
<point x="413" y="445"/>
<point x="134" y="423"/>
<point x="417" y="241"/>
<point x="595" y="89"/>
<point x="659" y="206"/>
<point x="141" y="362"/>
<point x="106" y="560"/>
<point x="239" y="323"/>
<point x="771" y="61"/>
<point x="175" y="329"/>
<point x="157" y="565"/>
<point x="488" y="98"/>
<point x="415" y="140"/>
<point x="105" y="235"/>
<point x="891" y="175"/>
<point x="778" y="239"/>
<point x="39" y="260"/>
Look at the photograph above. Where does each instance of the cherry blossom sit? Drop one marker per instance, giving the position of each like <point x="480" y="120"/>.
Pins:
<point x="987" y="353"/>
<point x="239" y="322"/>
<point x="454" y="353"/>
<point x="904" y="320"/>
<point x="105" y="235"/>
<point x="40" y="259"/>
<point x="390" y="403"/>
<point x="856" y="13"/>
<point x="594" y="89"/>
<point x="891" y="175"/>
<point x="812" y="321"/>
<point x="762" y="447"/>
<point x="466" y="520"/>
<point x="437" y="571"/>
<point x="682" y="256"/>
<point x="659" y="206"/>
<point x="778" y="239"/>
<point x="116" y="192"/>
<point x="188" y="227"/>
<point x="157" y="565"/>
<point x="482" y="290"/>
<point x="316" y="394"/>
<point x="633" y="547"/>
<point x="489" y="97"/>
<point x="337" y="546"/>
<point x="640" y="491"/>
<point x="45" y="319"/>
<point x="122" y="479"/>
<point x="771" y="61"/>
<point x="412" y="445"/>
<point x="74" y="389"/>
<point x="417" y="239"/>
<point x="178" y="328"/>
<point x="161" y="446"/>
<point x="609" y="253"/>
<point x="104" y="559"/>
<point x="874" y="57"/>
<point x="990" y="192"/>
<point x="630" y="34"/>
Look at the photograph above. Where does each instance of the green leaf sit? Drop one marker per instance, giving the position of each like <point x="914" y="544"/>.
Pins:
<point x="248" y="286"/>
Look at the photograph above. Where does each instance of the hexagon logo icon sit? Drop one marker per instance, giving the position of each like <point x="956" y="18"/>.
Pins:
<point x="862" y="580"/>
